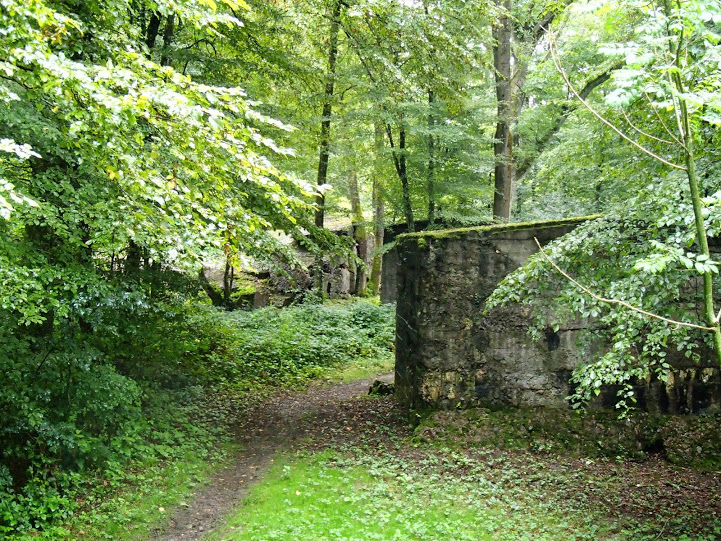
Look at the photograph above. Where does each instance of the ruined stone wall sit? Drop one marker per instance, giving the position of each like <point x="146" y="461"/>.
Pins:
<point x="448" y="354"/>
<point x="389" y="275"/>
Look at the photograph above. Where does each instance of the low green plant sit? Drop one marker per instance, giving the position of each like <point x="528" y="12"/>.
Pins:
<point x="291" y="345"/>
<point x="430" y="496"/>
<point x="132" y="381"/>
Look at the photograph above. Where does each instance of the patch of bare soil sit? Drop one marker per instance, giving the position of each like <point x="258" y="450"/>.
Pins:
<point x="315" y="418"/>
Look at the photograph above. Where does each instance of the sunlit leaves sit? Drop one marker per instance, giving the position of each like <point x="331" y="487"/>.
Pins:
<point x="114" y="148"/>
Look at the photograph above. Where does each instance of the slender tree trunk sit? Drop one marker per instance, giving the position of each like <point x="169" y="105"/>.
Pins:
<point x="167" y="39"/>
<point x="152" y="32"/>
<point x="503" y="147"/>
<point x="403" y="173"/>
<point x="228" y="277"/>
<point x="431" y="161"/>
<point x="430" y="171"/>
<point x="686" y="134"/>
<point x="378" y="213"/>
<point x="399" y="160"/>
<point x="360" y="233"/>
<point x="132" y="259"/>
<point x="327" y="110"/>
<point x="325" y="131"/>
<point x="701" y="234"/>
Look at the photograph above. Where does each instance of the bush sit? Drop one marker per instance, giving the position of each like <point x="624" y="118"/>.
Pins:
<point x="281" y="346"/>
<point x="122" y="381"/>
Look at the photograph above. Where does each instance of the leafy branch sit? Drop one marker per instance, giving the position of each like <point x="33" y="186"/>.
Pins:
<point x="619" y="302"/>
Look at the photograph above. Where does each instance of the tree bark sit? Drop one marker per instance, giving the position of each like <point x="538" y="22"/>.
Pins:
<point x="399" y="160"/>
<point x="133" y="259"/>
<point x="228" y="278"/>
<point x="152" y="32"/>
<point x="167" y="40"/>
<point x="378" y="213"/>
<point x="327" y="110"/>
<point x="431" y="161"/>
<point x="503" y="147"/>
<point x="360" y="233"/>
<point x="325" y="132"/>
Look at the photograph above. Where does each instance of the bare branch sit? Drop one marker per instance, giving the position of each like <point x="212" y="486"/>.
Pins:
<point x="557" y="62"/>
<point x="665" y="126"/>
<point x="616" y="301"/>
<point x="633" y="126"/>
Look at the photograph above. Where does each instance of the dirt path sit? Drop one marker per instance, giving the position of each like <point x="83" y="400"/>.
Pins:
<point x="317" y="417"/>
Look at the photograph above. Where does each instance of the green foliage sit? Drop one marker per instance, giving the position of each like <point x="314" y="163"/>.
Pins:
<point x="292" y="344"/>
<point x="134" y="390"/>
<point x="440" y="494"/>
<point x="113" y="168"/>
<point x="652" y="251"/>
<point x="339" y="496"/>
<point x="644" y="258"/>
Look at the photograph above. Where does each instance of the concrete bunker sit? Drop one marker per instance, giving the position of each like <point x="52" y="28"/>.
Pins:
<point x="449" y="354"/>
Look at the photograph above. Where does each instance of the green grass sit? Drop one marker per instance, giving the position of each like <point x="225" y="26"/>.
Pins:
<point x="331" y="497"/>
<point x="143" y="505"/>
<point x="360" y="369"/>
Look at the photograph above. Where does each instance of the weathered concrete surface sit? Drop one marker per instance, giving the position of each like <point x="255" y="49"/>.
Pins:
<point x="448" y="354"/>
<point x="389" y="273"/>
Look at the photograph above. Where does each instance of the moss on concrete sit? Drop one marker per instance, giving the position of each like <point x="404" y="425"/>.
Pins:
<point x="460" y="232"/>
<point x="682" y="440"/>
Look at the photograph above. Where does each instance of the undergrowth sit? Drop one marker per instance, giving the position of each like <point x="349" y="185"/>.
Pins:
<point x="289" y="346"/>
<point x="135" y="406"/>
<point x="683" y="440"/>
<point x="437" y="496"/>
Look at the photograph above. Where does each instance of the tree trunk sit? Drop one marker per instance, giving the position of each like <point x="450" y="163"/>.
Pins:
<point x="360" y="234"/>
<point x="378" y="214"/>
<point x="152" y="31"/>
<point x="167" y="40"/>
<point x="503" y="147"/>
<point x="399" y="160"/>
<point x="327" y="110"/>
<point x="325" y="132"/>
<point x="132" y="259"/>
<point x="431" y="161"/>
<point x="228" y="278"/>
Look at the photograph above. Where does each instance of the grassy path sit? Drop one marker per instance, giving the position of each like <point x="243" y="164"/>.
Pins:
<point x="331" y="463"/>
<point x="285" y="422"/>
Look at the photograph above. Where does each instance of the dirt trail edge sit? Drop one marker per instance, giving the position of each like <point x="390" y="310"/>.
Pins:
<point x="278" y="424"/>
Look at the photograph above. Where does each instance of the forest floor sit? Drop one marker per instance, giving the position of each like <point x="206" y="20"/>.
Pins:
<point x="288" y="421"/>
<point x="332" y="462"/>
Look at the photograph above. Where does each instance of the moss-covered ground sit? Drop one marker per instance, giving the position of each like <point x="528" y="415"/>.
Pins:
<point x="474" y="475"/>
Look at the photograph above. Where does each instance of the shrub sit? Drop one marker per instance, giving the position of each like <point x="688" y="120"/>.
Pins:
<point x="281" y="346"/>
<point x="121" y="382"/>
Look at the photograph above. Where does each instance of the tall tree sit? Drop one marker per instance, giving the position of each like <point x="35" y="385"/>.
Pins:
<point x="516" y="35"/>
<point x="629" y="269"/>
<point x="334" y="29"/>
<point x="503" y="145"/>
<point x="377" y="202"/>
